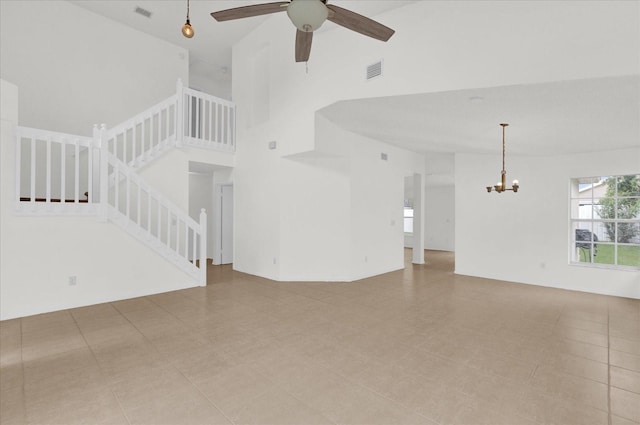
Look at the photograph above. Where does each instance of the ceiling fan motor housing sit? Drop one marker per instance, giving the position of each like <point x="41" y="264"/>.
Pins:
<point x="307" y="15"/>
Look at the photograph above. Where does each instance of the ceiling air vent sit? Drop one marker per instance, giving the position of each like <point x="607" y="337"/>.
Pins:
<point x="374" y="70"/>
<point x="143" y="12"/>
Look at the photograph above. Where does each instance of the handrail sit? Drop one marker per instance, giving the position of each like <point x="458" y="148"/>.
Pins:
<point x="129" y="173"/>
<point x="207" y="121"/>
<point x="148" y="215"/>
<point x="146" y="135"/>
<point x="51" y="166"/>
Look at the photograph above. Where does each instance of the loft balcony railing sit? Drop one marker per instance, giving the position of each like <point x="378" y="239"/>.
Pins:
<point x="64" y="174"/>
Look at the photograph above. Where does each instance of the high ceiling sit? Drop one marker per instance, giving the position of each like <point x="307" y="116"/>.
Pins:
<point x="551" y="118"/>
<point x="210" y="48"/>
<point x="581" y="114"/>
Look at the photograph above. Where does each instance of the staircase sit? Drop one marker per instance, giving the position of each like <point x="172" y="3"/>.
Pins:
<point x="63" y="174"/>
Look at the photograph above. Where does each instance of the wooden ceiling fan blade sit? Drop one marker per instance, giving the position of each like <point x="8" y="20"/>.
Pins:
<point x="359" y="23"/>
<point x="249" y="11"/>
<point x="303" y="45"/>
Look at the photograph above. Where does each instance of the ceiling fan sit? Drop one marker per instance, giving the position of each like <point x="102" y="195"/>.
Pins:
<point x="308" y="16"/>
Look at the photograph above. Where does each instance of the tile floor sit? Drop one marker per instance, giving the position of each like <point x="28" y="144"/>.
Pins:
<point x="419" y="346"/>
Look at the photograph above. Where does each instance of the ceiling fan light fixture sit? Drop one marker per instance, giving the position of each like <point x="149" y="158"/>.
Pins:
<point x="187" y="29"/>
<point x="307" y="15"/>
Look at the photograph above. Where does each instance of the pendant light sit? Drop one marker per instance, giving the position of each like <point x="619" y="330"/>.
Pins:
<point x="501" y="185"/>
<point x="187" y="29"/>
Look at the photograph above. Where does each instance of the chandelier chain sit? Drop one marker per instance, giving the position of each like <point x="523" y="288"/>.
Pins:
<point x="504" y="147"/>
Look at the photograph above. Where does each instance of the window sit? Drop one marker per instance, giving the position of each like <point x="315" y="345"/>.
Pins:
<point x="408" y="217"/>
<point x="605" y="221"/>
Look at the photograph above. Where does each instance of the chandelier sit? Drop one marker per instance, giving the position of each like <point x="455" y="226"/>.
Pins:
<point x="501" y="185"/>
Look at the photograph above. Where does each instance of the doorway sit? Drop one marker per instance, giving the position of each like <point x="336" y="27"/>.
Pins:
<point x="224" y="225"/>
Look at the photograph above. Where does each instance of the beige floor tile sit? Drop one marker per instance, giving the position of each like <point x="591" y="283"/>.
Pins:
<point x="478" y="414"/>
<point x="57" y="388"/>
<point x="388" y="412"/>
<point x="59" y="365"/>
<point x="625" y="345"/>
<point x="623" y="328"/>
<point x="575" y="414"/>
<point x="189" y="408"/>
<point x="100" y="322"/>
<point x="492" y="391"/>
<point x="204" y="364"/>
<point x="133" y="304"/>
<point x="498" y="364"/>
<point x="625" y="360"/>
<point x="580" y="349"/>
<point x="10" y="327"/>
<point x="11" y="346"/>
<point x="93" y="312"/>
<point x="78" y="405"/>
<point x="12" y="409"/>
<point x="11" y="376"/>
<point x="97" y="337"/>
<point x="430" y="366"/>
<point x="421" y="345"/>
<point x="538" y="405"/>
<point x="338" y="400"/>
<point x="579" y="366"/>
<point x="625" y="379"/>
<point x="585" y="325"/>
<point x="625" y="404"/>
<point x="277" y="407"/>
<point x="41" y="322"/>
<point x="390" y="380"/>
<point x="574" y="334"/>
<point x="570" y="387"/>
<point x="234" y="388"/>
<point x="146" y="384"/>
<point x="35" y="347"/>
<point x="617" y="420"/>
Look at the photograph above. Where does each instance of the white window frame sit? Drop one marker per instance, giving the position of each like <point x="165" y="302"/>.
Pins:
<point x="575" y="221"/>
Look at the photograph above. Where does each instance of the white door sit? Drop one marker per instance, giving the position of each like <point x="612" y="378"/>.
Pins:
<point x="226" y="224"/>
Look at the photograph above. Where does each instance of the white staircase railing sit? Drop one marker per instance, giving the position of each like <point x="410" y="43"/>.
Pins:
<point x="55" y="173"/>
<point x="146" y="136"/>
<point x="147" y="215"/>
<point x="208" y="121"/>
<point x="189" y="118"/>
<point x="64" y="174"/>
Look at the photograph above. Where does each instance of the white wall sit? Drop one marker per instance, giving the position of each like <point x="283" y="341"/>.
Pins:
<point x="524" y="237"/>
<point x="285" y="109"/>
<point x="439" y="218"/>
<point x="39" y="254"/>
<point x="75" y="68"/>
<point x="214" y="86"/>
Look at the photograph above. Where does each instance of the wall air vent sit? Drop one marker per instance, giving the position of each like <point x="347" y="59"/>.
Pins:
<point x="143" y="12"/>
<point x="374" y="70"/>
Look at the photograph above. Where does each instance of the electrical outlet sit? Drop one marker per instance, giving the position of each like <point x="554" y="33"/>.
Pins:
<point x="73" y="280"/>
